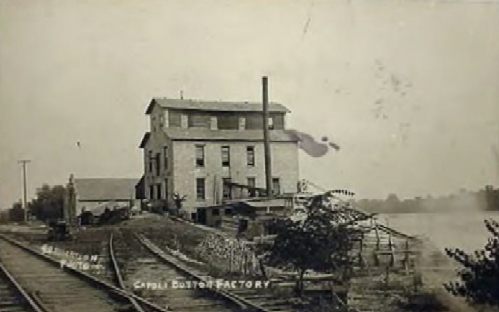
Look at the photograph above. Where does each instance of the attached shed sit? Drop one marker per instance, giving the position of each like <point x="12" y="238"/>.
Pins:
<point x="240" y="216"/>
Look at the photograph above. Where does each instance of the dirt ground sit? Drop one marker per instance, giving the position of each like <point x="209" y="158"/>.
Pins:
<point x="436" y="268"/>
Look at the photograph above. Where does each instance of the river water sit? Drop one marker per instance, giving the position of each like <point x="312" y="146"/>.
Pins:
<point x="464" y="230"/>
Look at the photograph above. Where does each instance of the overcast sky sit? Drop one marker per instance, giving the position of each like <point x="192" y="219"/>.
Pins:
<point x="408" y="89"/>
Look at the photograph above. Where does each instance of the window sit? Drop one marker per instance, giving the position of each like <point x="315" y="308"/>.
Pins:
<point x="251" y="187"/>
<point x="254" y="121"/>
<point x="200" y="189"/>
<point x="227" y="121"/>
<point x="166" y="189"/>
<point x="228" y="211"/>
<point x="199" y="155"/>
<point x="158" y="188"/>
<point x="198" y="120"/>
<point x="215" y="212"/>
<point x="165" y="157"/>
<point x="276" y="186"/>
<point x="270" y="123"/>
<point x="153" y="123"/>
<point x="174" y="119"/>
<point x="250" y="156"/>
<point x="151" y="192"/>
<point x="161" y="121"/>
<point x="158" y="164"/>
<point x="225" y="156"/>
<point x="226" y="193"/>
<point x="278" y="121"/>
<point x="149" y="160"/>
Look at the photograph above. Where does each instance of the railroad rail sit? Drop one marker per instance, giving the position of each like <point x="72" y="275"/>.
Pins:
<point x="13" y="297"/>
<point x="138" y="264"/>
<point x="250" y="299"/>
<point x="65" y="289"/>
<point x="118" y="275"/>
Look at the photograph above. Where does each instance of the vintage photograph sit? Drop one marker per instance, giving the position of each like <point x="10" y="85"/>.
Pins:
<point x="249" y="155"/>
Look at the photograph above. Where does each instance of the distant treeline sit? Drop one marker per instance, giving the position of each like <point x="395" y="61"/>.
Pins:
<point x="47" y="205"/>
<point x="486" y="199"/>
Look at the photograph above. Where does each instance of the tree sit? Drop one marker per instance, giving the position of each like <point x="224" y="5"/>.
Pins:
<point x="322" y="242"/>
<point x="16" y="213"/>
<point x="4" y="216"/>
<point x="49" y="202"/>
<point x="392" y="203"/>
<point x="479" y="273"/>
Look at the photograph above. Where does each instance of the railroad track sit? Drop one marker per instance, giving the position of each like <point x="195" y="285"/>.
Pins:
<point x="137" y="264"/>
<point x="259" y="299"/>
<point x="62" y="290"/>
<point x="14" y="298"/>
<point x="255" y="299"/>
<point x="139" y="257"/>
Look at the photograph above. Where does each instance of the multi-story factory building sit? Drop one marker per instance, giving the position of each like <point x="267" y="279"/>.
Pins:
<point x="201" y="149"/>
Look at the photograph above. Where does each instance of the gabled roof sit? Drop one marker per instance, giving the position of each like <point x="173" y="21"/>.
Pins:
<point x="198" y="134"/>
<point x="201" y="105"/>
<point x="105" y="189"/>
<point x="144" y="140"/>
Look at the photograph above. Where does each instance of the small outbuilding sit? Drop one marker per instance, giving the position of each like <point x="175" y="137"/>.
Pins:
<point x="92" y="196"/>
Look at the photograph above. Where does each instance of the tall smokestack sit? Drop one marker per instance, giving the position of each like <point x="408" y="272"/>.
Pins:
<point x="266" y="139"/>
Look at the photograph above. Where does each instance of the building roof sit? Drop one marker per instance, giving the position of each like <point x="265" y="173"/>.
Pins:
<point x="105" y="189"/>
<point x="144" y="140"/>
<point x="199" y="134"/>
<point x="202" y="105"/>
<point x="262" y="203"/>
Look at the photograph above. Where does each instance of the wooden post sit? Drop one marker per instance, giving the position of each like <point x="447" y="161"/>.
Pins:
<point x="376" y="260"/>
<point x="390" y="245"/>
<point x="406" y="257"/>
<point x="361" y="260"/>
<point x="231" y="254"/>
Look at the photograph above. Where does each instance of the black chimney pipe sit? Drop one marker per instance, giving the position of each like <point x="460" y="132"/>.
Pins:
<point x="266" y="139"/>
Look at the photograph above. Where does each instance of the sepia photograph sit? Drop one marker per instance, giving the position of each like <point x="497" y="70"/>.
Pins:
<point x="249" y="155"/>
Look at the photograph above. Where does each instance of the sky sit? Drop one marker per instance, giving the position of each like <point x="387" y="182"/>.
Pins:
<point x="408" y="89"/>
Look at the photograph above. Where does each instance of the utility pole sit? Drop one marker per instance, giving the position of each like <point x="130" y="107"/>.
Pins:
<point x="24" y="162"/>
<point x="266" y="139"/>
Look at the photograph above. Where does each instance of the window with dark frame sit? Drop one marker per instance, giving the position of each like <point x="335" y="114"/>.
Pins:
<point x="250" y="156"/>
<point x="227" y="121"/>
<point x="215" y="212"/>
<point x="200" y="189"/>
<point x="158" y="188"/>
<point x="151" y="192"/>
<point x="149" y="160"/>
<point x="251" y="187"/>
<point x="226" y="189"/>
<point x="199" y="155"/>
<point x="225" y="156"/>
<point x="158" y="164"/>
